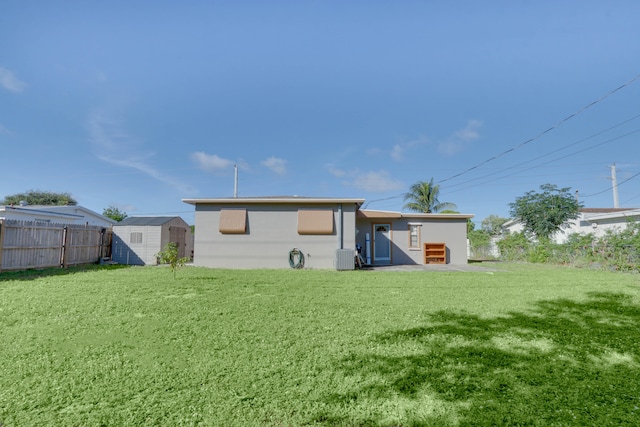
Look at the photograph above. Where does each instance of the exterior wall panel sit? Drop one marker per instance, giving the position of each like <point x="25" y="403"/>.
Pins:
<point x="453" y="232"/>
<point x="272" y="232"/>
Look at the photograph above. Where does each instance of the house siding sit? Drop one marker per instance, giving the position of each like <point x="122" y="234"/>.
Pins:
<point x="452" y="232"/>
<point x="271" y="234"/>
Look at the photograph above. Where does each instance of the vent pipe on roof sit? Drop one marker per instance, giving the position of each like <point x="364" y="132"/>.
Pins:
<point x="235" y="181"/>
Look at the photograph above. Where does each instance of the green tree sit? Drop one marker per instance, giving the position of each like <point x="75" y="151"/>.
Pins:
<point x="423" y="197"/>
<point x="42" y="198"/>
<point x="478" y="238"/>
<point x="493" y="224"/>
<point x="470" y="224"/>
<point x="547" y="212"/>
<point x="114" y="213"/>
<point x="170" y="256"/>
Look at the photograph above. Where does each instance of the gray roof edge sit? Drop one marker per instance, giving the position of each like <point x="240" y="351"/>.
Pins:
<point x="147" y="220"/>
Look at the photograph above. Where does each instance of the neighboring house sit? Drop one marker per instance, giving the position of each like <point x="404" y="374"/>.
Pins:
<point x="596" y="221"/>
<point x="55" y="214"/>
<point x="138" y="240"/>
<point x="272" y="232"/>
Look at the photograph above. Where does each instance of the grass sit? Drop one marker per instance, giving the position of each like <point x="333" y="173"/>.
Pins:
<point x="524" y="345"/>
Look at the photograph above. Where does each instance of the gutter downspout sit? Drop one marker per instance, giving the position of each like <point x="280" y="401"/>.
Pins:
<point x="340" y="229"/>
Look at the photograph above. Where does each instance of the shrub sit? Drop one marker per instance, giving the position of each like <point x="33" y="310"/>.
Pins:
<point x="170" y="256"/>
<point x="514" y="247"/>
<point x="616" y="249"/>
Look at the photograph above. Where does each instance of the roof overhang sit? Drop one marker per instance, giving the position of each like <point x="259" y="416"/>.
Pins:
<point x="368" y="214"/>
<point x="625" y="213"/>
<point x="378" y="214"/>
<point x="294" y="200"/>
<point x="32" y="211"/>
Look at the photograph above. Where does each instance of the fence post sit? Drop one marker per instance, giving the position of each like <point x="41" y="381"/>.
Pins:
<point x="1" y="242"/>
<point x="101" y="250"/>
<point x="63" y="249"/>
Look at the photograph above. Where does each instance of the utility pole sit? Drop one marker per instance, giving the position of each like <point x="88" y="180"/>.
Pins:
<point x="614" y="183"/>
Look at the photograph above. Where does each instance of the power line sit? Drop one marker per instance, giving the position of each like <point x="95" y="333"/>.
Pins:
<point x="555" y="126"/>
<point x="556" y="151"/>
<point x="550" y="161"/>
<point x="609" y="189"/>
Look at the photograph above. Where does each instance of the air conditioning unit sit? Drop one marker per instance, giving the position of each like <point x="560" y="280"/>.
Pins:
<point x="345" y="259"/>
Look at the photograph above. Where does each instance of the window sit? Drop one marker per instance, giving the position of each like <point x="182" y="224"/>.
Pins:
<point x="135" y="237"/>
<point x="414" y="236"/>
<point x="315" y="221"/>
<point x="233" y="221"/>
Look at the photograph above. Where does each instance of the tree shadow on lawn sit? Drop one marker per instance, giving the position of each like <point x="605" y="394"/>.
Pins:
<point x="565" y="363"/>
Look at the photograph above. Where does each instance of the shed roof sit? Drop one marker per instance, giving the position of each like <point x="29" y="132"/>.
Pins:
<point x="146" y="220"/>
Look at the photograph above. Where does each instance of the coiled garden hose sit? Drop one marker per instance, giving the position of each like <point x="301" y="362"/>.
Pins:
<point x="293" y="254"/>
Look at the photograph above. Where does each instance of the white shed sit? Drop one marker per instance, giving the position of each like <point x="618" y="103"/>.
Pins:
<point x="137" y="240"/>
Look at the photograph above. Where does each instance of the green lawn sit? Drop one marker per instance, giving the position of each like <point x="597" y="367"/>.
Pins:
<point x="523" y="345"/>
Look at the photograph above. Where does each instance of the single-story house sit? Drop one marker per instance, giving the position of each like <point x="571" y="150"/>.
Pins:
<point x="596" y="221"/>
<point x="56" y="215"/>
<point x="320" y="233"/>
<point x="138" y="240"/>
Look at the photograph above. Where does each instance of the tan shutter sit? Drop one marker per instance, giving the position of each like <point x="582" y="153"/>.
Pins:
<point x="233" y="221"/>
<point x="315" y="221"/>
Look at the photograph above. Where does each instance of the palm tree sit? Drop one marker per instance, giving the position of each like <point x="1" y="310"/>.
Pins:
<point x="423" y="198"/>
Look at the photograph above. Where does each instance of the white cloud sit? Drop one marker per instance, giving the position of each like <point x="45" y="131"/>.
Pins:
<point x="460" y="139"/>
<point x="104" y="132"/>
<point x="397" y="153"/>
<point x="116" y="146"/>
<point x="338" y="173"/>
<point x="374" y="182"/>
<point x="276" y="165"/>
<point x="210" y="162"/>
<point x="10" y="82"/>
<point x="4" y="130"/>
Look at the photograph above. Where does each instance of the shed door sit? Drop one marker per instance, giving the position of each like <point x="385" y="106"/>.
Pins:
<point x="381" y="244"/>
<point x="178" y="235"/>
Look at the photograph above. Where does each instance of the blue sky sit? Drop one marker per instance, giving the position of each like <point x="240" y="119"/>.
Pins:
<point x="141" y="104"/>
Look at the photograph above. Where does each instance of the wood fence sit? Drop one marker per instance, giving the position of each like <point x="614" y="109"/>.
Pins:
<point x="25" y="244"/>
